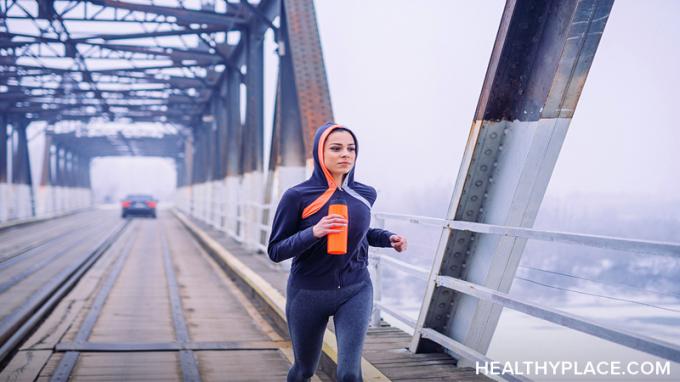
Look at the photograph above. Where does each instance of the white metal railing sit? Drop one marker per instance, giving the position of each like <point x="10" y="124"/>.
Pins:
<point x="241" y="220"/>
<point x="20" y="202"/>
<point x="231" y="216"/>
<point x="623" y="337"/>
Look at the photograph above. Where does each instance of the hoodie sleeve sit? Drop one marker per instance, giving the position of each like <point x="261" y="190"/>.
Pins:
<point x="379" y="237"/>
<point x="286" y="241"/>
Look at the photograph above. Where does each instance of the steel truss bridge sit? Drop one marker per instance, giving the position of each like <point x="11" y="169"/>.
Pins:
<point x="197" y="69"/>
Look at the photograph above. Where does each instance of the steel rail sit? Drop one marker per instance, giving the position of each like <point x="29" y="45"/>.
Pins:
<point x="186" y="357"/>
<point x="68" y="362"/>
<point x="39" y="265"/>
<point x="20" y="323"/>
<point x="8" y="259"/>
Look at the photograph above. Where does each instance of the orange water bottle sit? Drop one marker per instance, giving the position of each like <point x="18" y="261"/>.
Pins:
<point x="337" y="242"/>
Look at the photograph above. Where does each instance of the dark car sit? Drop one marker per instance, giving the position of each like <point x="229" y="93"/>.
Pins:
<point x="139" y="205"/>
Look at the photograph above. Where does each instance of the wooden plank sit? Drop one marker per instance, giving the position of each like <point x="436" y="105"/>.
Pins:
<point x="127" y="367"/>
<point x="243" y="366"/>
<point x="25" y="365"/>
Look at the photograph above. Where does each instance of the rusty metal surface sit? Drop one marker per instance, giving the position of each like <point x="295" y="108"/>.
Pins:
<point x="304" y="46"/>
<point x="540" y="61"/>
<point x="538" y="66"/>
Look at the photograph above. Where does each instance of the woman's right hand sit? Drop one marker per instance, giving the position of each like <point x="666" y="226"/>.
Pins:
<point x="329" y="224"/>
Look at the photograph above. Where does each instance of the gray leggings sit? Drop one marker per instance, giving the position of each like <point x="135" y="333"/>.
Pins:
<point x="308" y="311"/>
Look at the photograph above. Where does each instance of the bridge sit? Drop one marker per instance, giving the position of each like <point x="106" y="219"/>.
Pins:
<point x="192" y="295"/>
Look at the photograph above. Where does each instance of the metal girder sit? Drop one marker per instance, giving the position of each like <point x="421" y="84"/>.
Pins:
<point x="217" y="135"/>
<point x="303" y="55"/>
<point x="234" y="127"/>
<point x="117" y="145"/>
<point x="46" y="176"/>
<point x="21" y="162"/>
<point x="59" y="161"/>
<point x="538" y="67"/>
<point x="188" y="160"/>
<point x="288" y="137"/>
<point x="21" y="169"/>
<point x="237" y="152"/>
<point x="198" y="83"/>
<point x="174" y="54"/>
<point x="254" y="129"/>
<point x="3" y="147"/>
<point x="198" y="155"/>
<point x="132" y="36"/>
<point x="183" y="15"/>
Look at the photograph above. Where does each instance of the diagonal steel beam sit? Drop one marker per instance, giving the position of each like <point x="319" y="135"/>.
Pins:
<point x="538" y="67"/>
<point x="174" y="54"/>
<point x="182" y="15"/>
<point x="132" y="36"/>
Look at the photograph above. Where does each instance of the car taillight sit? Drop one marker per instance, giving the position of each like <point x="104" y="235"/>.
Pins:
<point x="151" y="204"/>
<point x="125" y="203"/>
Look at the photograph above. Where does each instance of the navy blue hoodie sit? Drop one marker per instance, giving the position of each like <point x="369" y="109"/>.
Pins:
<point x="292" y="237"/>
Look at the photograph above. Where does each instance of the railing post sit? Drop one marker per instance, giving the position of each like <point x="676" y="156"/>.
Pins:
<point x="377" y="279"/>
<point x="377" y="292"/>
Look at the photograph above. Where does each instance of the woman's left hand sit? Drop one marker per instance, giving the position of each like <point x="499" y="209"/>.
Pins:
<point x="398" y="242"/>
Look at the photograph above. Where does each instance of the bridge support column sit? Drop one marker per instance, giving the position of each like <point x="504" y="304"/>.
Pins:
<point x="44" y="204"/>
<point x="60" y="175"/>
<point x="253" y="141"/>
<point x="21" y="173"/>
<point x="234" y="150"/>
<point x="222" y="136"/>
<point x="538" y="67"/>
<point x="4" y="152"/>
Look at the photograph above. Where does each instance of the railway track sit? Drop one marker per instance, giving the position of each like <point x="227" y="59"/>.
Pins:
<point x="30" y="289"/>
<point x="22" y="240"/>
<point x="154" y="305"/>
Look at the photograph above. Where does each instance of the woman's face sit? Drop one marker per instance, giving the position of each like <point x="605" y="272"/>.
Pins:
<point x="339" y="152"/>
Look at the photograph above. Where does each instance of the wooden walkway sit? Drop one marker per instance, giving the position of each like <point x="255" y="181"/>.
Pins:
<point x="158" y="306"/>
<point x="386" y="347"/>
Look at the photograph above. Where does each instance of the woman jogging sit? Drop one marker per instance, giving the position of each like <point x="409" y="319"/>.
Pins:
<point x="321" y="285"/>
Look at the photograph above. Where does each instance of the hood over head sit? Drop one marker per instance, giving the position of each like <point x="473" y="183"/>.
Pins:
<point x="322" y="181"/>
